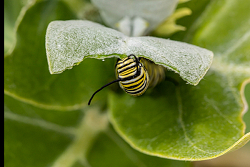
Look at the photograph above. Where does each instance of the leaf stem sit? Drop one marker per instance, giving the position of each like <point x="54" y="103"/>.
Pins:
<point x="91" y="125"/>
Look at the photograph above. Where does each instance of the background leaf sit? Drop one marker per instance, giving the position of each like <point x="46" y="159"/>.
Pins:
<point x="11" y="13"/>
<point x="37" y="132"/>
<point x="40" y="137"/>
<point x="34" y="136"/>
<point x="31" y="81"/>
<point x="159" y="10"/>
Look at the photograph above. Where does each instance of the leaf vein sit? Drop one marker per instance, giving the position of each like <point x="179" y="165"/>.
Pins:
<point x="179" y="100"/>
<point x="220" y="113"/>
<point x="133" y="157"/>
<point x="40" y="123"/>
<point x="239" y="42"/>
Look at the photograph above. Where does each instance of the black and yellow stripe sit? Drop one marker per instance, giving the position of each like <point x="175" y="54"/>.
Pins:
<point x="136" y="75"/>
<point x="156" y="72"/>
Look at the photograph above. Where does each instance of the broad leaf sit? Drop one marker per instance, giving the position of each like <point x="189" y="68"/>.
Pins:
<point x="110" y="144"/>
<point x="69" y="42"/>
<point x="11" y="13"/>
<point x="40" y="137"/>
<point x="202" y="122"/>
<point x="38" y="133"/>
<point x="26" y="74"/>
<point x="34" y="136"/>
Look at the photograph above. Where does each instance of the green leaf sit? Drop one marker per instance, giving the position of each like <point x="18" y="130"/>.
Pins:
<point x="110" y="144"/>
<point x="38" y="133"/>
<point x="40" y="137"/>
<point x="34" y="136"/>
<point x="26" y="74"/>
<point x="181" y="122"/>
<point x="69" y="42"/>
<point x="197" y="7"/>
<point x="201" y="122"/>
<point x="12" y="9"/>
<point x="247" y="114"/>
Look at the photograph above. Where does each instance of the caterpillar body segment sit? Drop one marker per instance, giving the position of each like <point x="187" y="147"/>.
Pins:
<point x="135" y="75"/>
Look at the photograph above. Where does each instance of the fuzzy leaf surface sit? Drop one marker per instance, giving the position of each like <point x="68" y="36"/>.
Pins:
<point x="37" y="132"/>
<point x="69" y="42"/>
<point x="37" y="129"/>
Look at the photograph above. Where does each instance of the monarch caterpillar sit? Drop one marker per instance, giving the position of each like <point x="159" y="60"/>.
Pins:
<point x="135" y="75"/>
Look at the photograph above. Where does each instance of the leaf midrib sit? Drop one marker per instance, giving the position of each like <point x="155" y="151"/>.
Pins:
<point x="180" y="118"/>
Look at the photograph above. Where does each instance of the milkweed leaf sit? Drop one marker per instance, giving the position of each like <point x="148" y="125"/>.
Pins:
<point x="69" y="42"/>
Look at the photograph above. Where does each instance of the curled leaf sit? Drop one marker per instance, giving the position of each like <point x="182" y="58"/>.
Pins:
<point x="69" y="42"/>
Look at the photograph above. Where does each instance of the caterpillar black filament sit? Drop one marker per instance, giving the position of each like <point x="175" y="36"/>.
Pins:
<point x="135" y="75"/>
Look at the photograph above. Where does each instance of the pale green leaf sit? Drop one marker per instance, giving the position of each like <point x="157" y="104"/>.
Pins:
<point x="38" y="133"/>
<point x="69" y="42"/>
<point x="26" y="74"/>
<point x="152" y="12"/>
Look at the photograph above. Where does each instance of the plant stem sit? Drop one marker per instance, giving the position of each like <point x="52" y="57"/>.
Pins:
<point x="91" y="125"/>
